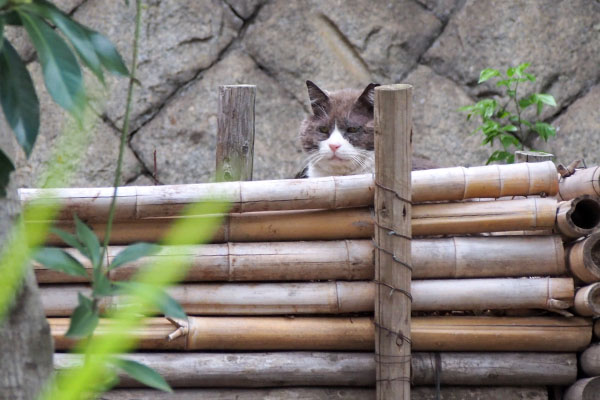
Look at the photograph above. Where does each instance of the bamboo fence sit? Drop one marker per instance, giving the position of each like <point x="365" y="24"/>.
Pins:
<point x="140" y="202"/>
<point x="584" y="389"/>
<point x="471" y="369"/>
<point x="583" y="259"/>
<point x="454" y="257"/>
<point x="456" y="333"/>
<point x="590" y="360"/>
<point x="584" y="181"/>
<point x="339" y="297"/>
<point x="578" y="217"/>
<point x="587" y="300"/>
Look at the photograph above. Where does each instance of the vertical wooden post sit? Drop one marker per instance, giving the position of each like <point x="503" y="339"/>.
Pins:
<point x="235" y="132"/>
<point x="393" y="126"/>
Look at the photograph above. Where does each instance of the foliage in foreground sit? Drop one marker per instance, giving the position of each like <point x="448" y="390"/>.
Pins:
<point x="506" y="122"/>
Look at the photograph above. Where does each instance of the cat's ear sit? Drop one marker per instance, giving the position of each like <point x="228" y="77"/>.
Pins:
<point x="366" y="101"/>
<point x="319" y="101"/>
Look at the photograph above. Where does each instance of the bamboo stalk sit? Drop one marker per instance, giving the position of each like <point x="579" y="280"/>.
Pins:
<point x="497" y="369"/>
<point x="583" y="258"/>
<point x="136" y="202"/>
<point x="583" y="389"/>
<point x="590" y="360"/>
<point x="587" y="300"/>
<point x="491" y="181"/>
<point x="457" y="333"/>
<point x="478" y="393"/>
<point x="477" y="217"/>
<point x="455" y="257"/>
<point x="597" y="328"/>
<point x="340" y="296"/>
<point x="235" y="132"/>
<point x="583" y="181"/>
<point x="578" y="217"/>
<point x="427" y="219"/>
<point x="308" y="393"/>
<point x="501" y="334"/>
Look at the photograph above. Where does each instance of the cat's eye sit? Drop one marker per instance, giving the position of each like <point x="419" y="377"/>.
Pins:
<point x="352" y="129"/>
<point x="323" y="129"/>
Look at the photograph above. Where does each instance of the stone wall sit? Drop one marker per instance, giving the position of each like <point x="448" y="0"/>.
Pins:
<point x="189" y="47"/>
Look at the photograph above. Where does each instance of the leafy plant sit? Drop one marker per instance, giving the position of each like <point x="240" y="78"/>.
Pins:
<point x="506" y="123"/>
<point x="60" y="60"/>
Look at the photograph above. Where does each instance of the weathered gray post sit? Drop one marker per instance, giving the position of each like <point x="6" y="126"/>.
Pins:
<point x="235" y="134"/>
<point x="393" y="125"/>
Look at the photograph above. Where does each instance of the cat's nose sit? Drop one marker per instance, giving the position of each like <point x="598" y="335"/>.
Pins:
<point x="334" y="146"/>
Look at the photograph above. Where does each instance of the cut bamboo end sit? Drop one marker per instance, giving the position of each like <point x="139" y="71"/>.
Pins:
<point x="491" y="181"/>
<point x="583" y="258"/>
<point x="584" y="181"/>
<point x="590" y="360"/>
<point x="597" y="328"/>
<point x="578" y="217"/>
<point x="583" y="389"/>
<point x="587" y="300"/>
<point x="530" y="334"/>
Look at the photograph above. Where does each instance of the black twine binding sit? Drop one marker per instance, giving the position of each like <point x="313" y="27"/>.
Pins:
<point x="392" y="191"/>
<point x="399" y="336"/>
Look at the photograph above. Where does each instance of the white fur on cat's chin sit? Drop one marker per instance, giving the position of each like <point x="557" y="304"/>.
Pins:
<point x="325" y="166"/>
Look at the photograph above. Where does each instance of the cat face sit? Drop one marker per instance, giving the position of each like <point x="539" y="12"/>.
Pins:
<point x="339" y="135"/>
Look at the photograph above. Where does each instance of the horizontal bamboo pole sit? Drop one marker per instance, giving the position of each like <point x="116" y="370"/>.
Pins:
<point x="340" y="296"/>
<point x="541" y="334"/>
<point x="578" y="217"/>
<point x="583" y="181"/>
<point x="343" y="393"/>
<point x="583" y="389"/>
<point x="583" y="259"/>
<point x="590" y="360"/>
<point x="427" y="219"/>
<point x="455" y="257"/>
<point x="597" y="328"/>
<point x="472" y="369"/>
<point x="137" y="202"/>
<point x="587" y="300"/>
<point x="298" y="393"/>
<point x="455" y="333"/>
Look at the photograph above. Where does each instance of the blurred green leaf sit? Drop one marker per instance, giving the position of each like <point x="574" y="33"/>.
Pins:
<point x="521" y="68"/>
<point x="133" y="252"/>
<point x="69" y="239"/>
<point x="503" y="114"/>
<point x="59" y="260"/>
<point x="84" y="319"/>
<point x="6" y="167"/>
<point x="3" y="3"/>
<point x="12" y="18"/>
<point x="511" y="93"/>
<point x="498" y="155"/>
<point x="101" y="285"/>
<point x="504" y="82"/>
<point x="487" y="73"/>
<point x="159" y="298"/>
<point x="526" y="101"/>
<point x="76" y="34"/>
<point x="62" y="74"/>
<point x="144" y="374"/>
<point x="544" y="130"/>
<point x="546" y="99"/>
<point x="508" y="140"/>
<point x="88" y="238"/>
<point x="508" y="128"/>
<point x="1" y="31"/>
<point x="510" y="72"/>
<point x="108" y="54"/>
<point x="19" y="100"/>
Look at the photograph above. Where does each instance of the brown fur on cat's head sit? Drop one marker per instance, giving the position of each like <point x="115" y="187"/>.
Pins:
<point x="347" y="107"/>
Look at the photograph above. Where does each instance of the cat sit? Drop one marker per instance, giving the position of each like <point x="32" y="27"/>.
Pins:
<point x="339" y="135"/>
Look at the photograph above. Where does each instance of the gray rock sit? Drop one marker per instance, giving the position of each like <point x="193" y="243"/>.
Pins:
<point x="244" y="8"/>
<point x="440" y="132"/>
<point x="184" y="132"/>
<point x="178" y="39"/>
<point x="558" y="38"/>
<point x="441" y="8"/>
<point x="577" y="131"/>
<point x="95" y="168"/>
<point x="339" y="44"/>
<point x="141" y="180"/>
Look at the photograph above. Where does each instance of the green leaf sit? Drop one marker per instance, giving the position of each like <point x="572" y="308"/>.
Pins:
<point x="158" y="297"/>
<point x="544" y="130"/>
<point x="546" y="99"/>
<point x="526" y="123"/>
<point x="69" y="239"/>
<point x="59" y="260"/>
<point x="108" y="54"/>
<point x="521" y="68"/>
<point x="12" y="18"/>
<point x="6" y="167"/>
<point x="487" y="74"/>
<point x="498" y="155"/>
<point x="144" y="374"/>
<point x="530" y="77"/>
<point x="508" y="128"/>
<point x="101" y="285"/>
<point x="504" y="82"/>
<point x="503" y="114"/>
<point x="511" y="93"/>
<point x="466" y="108"/>
<point x="19" y="100"/>
<point x="1" y="31"/>
<point x="508" y="140"/>
<point x="62" y="74"/>
<point x="132" y="253"/>
<point x="86" y="236"/>
<point x="540" y="107"/>
<point x="76" y="34"/>
<point x="510" y="72"/>
<point x="84" y="319"/>
<point x="527" y="101"/>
